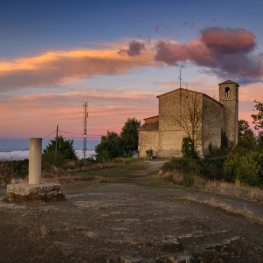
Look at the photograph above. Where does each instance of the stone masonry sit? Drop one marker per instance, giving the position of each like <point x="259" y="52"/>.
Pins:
<point x="164" y="133"/>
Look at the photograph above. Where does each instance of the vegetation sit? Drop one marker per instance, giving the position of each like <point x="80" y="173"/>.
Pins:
<point x="189" y="149"/>
<point x="109" y="147"/>
<point x="124" y="145"/>
<point x="58" y="152"/>
<point x="242" y="164"/>
<point x="243" y="128"/>
<point x="130" y="136"/>
<point x="258" y="116"/>
<point x="13" y="169"/>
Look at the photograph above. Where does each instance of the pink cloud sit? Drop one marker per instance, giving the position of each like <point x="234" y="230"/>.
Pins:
<point x="60" y="67"/>
<point x="228" y="40"/>
<point x="223" y="51"/>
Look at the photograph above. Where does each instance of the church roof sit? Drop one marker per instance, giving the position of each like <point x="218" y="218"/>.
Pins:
<point x="151" y="124"/>
<point x="177" y="90"/>
<point x="229" y="82"/>
<point x="191" y="91"/>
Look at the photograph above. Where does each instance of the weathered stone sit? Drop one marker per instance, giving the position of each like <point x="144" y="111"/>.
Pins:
<point x="44" y="192"/>
<point x="164" y="133"/>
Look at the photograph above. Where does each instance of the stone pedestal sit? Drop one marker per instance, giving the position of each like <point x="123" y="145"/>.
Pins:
<point x="37" y="192"/>
<point x="34" y="190"/>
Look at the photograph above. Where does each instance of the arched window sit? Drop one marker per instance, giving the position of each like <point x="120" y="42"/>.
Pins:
<point x="227" y="92"/>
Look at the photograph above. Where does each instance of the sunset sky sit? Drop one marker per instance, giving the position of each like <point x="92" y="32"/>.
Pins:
<point x="118" y="56"/>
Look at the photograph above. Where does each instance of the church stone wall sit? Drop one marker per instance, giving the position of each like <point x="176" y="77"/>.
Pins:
<point x="170" y="143"/>
<point x="170" y="135"/>
<point x="148" y="140"/>
<point x="166" y="139"/>
<point x="212" y="124"/>
<point x="172" y="105"/>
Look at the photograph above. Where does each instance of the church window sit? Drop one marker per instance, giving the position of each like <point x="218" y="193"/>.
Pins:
<point x="227" y="92"/>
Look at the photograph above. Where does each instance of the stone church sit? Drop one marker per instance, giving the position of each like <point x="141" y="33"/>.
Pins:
<point x="187" y="113"/>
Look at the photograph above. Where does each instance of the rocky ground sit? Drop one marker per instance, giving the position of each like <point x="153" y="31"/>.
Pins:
<point x="128" y="223"/>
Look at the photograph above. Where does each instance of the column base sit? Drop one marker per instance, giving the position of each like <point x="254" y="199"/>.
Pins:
<point x="37" y="192"/>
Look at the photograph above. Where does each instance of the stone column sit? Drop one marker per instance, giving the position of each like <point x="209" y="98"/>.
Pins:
<point x="35" y="160"/>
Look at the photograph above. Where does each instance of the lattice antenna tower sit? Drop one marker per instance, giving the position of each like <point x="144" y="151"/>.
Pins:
<point x="85" y="107"/>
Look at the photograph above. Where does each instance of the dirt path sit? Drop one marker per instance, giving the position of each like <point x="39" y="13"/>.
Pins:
<point x="126" y="223"/>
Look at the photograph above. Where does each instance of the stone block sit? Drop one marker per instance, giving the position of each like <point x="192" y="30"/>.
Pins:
<point x="43" y="192"/>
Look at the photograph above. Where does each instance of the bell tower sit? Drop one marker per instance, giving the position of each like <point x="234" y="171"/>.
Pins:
<point x="228" y="96"/>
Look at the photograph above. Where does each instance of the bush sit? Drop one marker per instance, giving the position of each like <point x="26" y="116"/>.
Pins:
<point x="242" y="168"/>
<point x="13" y="169"/>
<point x="49" y="161"/>
<point x="212" y="167"/>
<point x="104" y="156"/>
<point x="62" y="147"/>
<point x="185" y="168"/>
<point x="188" y="148"/>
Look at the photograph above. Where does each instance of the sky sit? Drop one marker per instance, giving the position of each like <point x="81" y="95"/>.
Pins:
<point x="118" y="56"/>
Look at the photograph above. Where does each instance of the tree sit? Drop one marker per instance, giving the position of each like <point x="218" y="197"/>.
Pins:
<point x="109" y="147"/>
<point x="242" y="167"/>
<point x="243" y="128"/>
<point x="258" y="117"/>
<point x="113" y="145"/>
<point x="189" y="118"/>
<point x="62" y="147"/>
<point x="130" y="135"/>
<point x="188" y="148"/>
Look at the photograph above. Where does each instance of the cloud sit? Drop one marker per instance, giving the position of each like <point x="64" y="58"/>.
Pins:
<point x="224" y="41"/>
<point x="60" y="67"/>
<point x="135" y="48"/>
<point x="223" y="51"/>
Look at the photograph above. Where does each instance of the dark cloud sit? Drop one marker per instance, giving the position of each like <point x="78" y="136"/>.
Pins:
<point x="227" y="40"/>
<point x="224" y="51"/>
<point x="135" y="48"/>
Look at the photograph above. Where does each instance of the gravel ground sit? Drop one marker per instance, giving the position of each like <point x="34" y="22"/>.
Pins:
<point x="127" y="223"/>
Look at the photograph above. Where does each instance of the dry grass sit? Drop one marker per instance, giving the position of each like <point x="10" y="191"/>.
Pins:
<point x="244" y="212"/>
<point x="236" y="190"/>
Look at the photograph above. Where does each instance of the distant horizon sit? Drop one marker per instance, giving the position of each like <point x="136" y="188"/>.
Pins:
<point x="22" y="155"/>
<point x="20" y="144"/>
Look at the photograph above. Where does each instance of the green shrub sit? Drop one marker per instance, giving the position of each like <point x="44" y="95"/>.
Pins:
<point x="224" y="141"/>
<point x="212" y="167"/>
<point x="184" y="165"/>
<point x="104" y="156"/>
<point x="189" y="149"/>
<point x="242" y="168"/>
<point x="49" y="161"/>
<point x="187" y="168"/>
<point x="188" y="179"/>
<point x="13" y="169"/>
